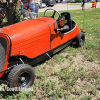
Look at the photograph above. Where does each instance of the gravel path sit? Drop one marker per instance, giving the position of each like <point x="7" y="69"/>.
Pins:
<point x="60" y="7"/>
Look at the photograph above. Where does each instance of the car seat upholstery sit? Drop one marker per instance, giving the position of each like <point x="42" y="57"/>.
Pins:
<point x="68" y="20"/>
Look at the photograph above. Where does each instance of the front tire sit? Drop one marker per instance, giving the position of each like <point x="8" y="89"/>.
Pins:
<point x="47" y="5"/>
<point x="80" y="39"/>
<point x="21" y="75"/>
<point x="52" y="5"/>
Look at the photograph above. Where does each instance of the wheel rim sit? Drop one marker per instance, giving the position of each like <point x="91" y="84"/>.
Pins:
<point x="23" y="79"/>
<point x="82" y="40"/>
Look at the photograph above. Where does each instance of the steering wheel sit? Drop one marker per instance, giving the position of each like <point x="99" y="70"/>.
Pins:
<point x="53" y="13"/>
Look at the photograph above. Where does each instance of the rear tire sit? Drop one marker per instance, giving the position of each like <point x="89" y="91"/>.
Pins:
<point x="21" y="75"/>
<point x="80" y="39"/>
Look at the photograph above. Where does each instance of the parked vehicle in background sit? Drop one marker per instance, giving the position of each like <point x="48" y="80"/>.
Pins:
<point x="43" y="4"/>
<point x="50" y="3"/>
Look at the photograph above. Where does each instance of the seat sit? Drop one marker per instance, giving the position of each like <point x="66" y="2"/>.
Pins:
<point x="68" y="20"/>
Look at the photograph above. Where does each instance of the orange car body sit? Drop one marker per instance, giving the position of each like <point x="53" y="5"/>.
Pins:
<point x="34" y="37"/>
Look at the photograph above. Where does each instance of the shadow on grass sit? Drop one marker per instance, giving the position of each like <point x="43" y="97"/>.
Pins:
<point x="73" y="45"/>
<point x="6" y="93"/>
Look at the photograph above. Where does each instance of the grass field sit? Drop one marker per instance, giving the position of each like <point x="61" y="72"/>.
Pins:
<point x="72" y="74"/>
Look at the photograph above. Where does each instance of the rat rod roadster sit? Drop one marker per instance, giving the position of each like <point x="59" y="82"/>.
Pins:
<point x="31" y="41"/>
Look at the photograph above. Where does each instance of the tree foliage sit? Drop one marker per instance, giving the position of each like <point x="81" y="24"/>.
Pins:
<point x="9" y="8"/>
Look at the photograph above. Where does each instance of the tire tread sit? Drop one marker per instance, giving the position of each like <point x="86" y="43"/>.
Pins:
<point x="15" y="70"/>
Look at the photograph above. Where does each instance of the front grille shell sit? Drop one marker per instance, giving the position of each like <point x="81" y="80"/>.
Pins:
<point x="4" y="52"/>
<point x="3" y="48"/>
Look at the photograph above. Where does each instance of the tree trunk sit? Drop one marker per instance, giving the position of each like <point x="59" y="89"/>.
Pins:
<point x="9" y="8"/>
<point x="10" y="14"/>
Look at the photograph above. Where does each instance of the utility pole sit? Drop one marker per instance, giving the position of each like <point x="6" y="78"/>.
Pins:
<point x="41" y="3"/>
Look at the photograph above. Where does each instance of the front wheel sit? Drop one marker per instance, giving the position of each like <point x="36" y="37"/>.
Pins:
<point x="47" y="5"/>
<point x="52" y="5"/>
<point x="80" y="39"/>
<point x="21" y="75"/>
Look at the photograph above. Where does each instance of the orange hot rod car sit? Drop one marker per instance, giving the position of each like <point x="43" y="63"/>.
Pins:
<point x="31" y="41"/>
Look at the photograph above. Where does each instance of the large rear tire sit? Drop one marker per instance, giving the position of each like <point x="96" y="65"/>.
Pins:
<point x="21" y="75"/>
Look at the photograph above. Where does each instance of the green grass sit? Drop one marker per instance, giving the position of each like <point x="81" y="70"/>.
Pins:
<point x="72" y="74"/>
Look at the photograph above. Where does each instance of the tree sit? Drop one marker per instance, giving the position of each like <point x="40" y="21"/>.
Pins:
<point x="8" y="6"/>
